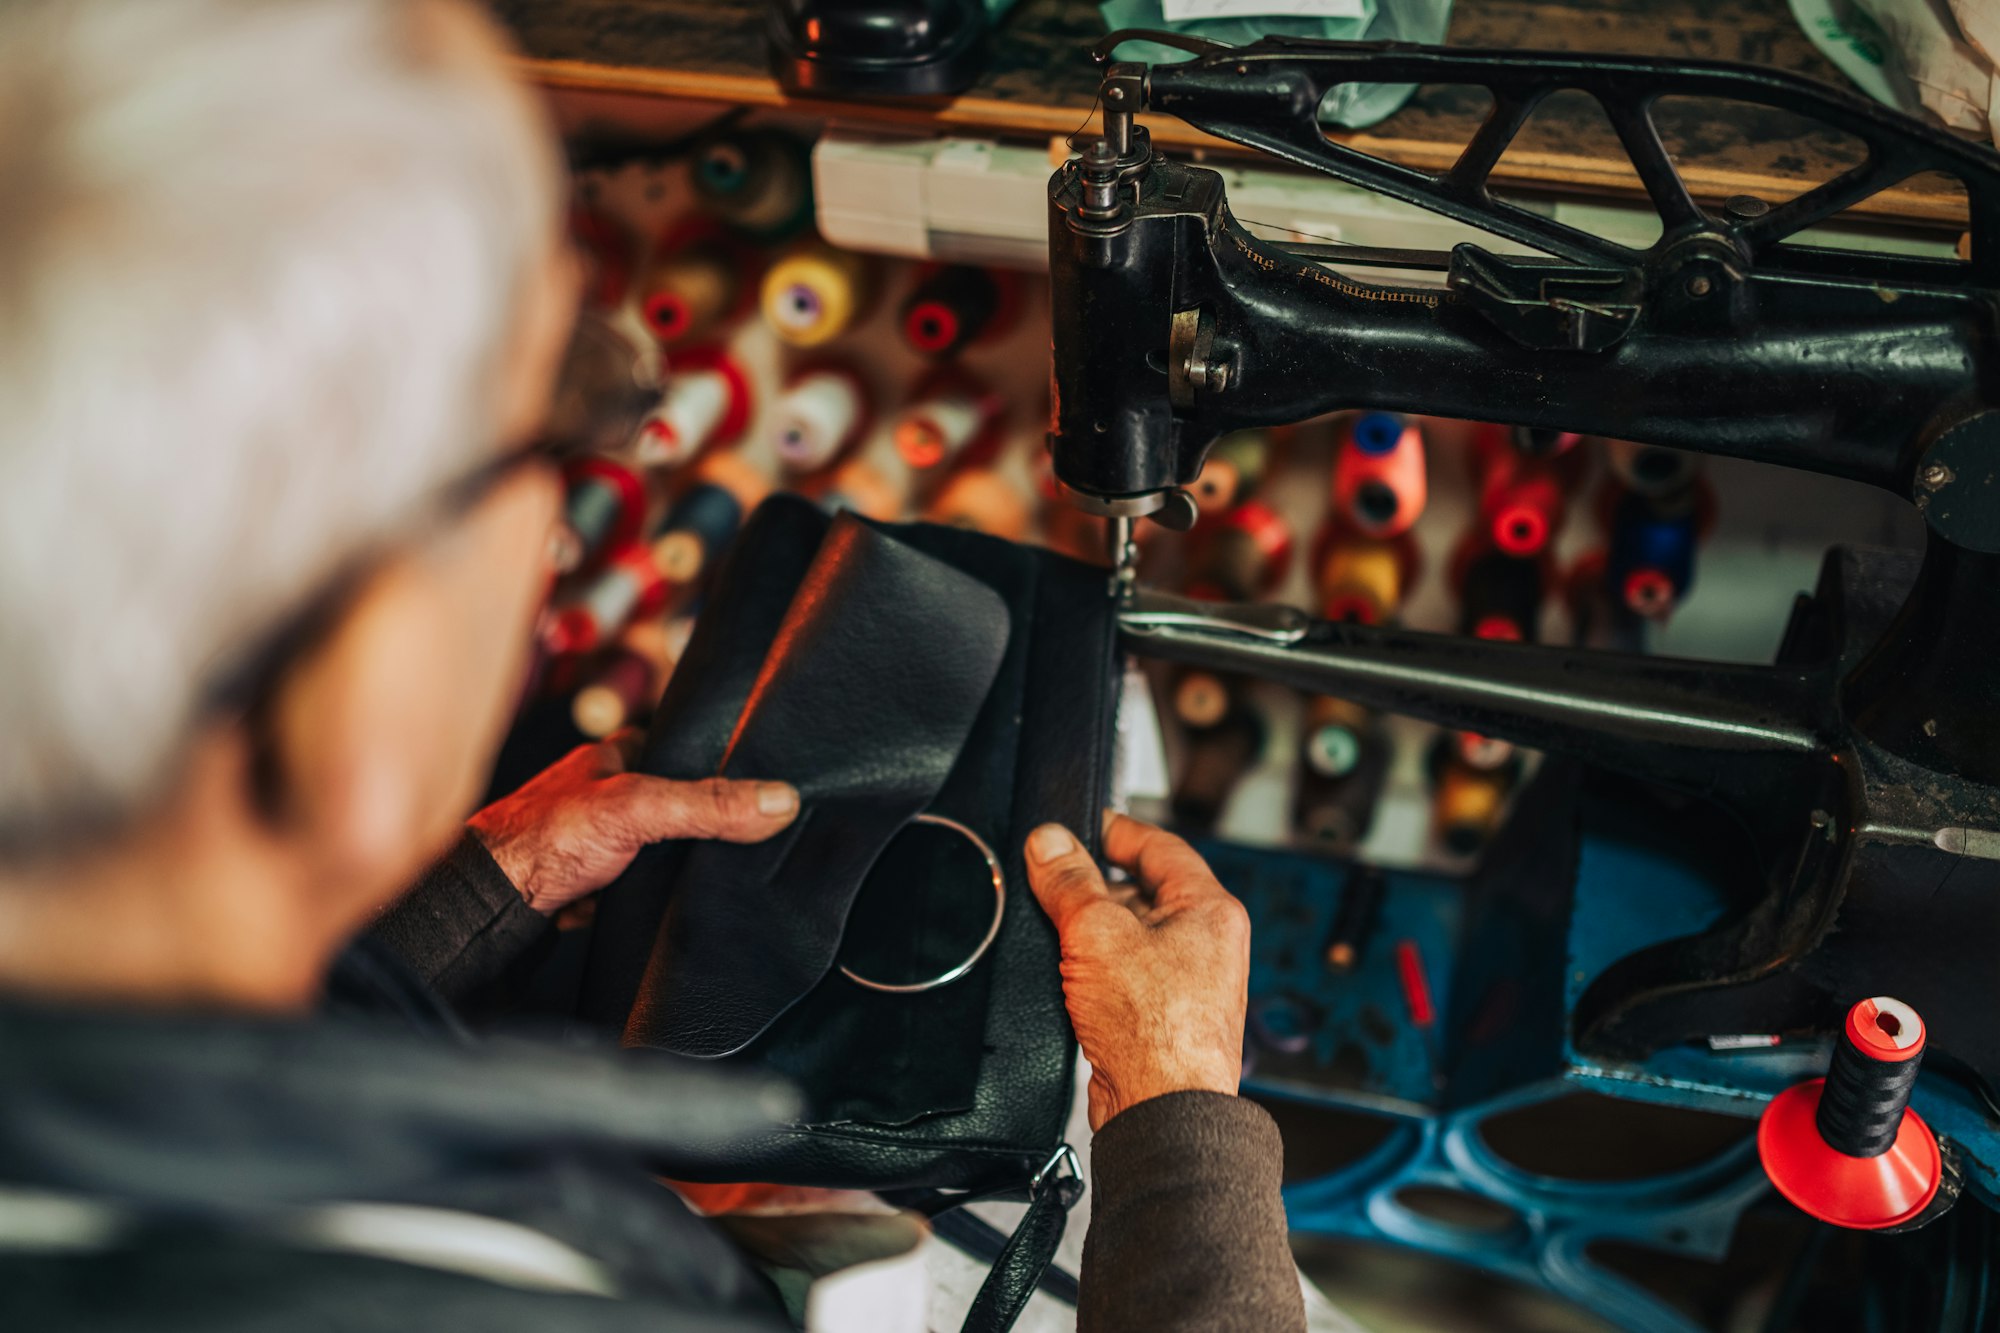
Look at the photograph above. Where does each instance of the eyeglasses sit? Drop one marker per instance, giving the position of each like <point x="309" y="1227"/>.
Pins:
<point x="603" y="391"/>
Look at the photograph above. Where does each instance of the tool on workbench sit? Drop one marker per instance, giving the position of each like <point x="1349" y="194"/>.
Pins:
<point x="1414" y="980"/>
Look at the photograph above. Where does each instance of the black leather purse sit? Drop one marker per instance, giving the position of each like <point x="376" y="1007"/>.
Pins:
<point x="934" y="694"/>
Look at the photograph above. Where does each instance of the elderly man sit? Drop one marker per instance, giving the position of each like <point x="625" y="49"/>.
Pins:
<point x="282" y="290"/>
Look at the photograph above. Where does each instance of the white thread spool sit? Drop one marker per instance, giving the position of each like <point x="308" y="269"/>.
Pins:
<point x="817" y="415"/>
<point x="938" y="429"/>
<point x="687" y="416"/>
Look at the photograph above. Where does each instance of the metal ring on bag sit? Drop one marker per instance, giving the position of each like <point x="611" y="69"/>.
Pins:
<point x="992" y="931"/>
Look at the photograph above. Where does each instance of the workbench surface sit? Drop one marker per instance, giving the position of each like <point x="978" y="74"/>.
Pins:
<point x="1040" y="82"/>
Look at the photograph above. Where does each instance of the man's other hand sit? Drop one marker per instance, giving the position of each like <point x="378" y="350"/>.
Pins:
<point x="1156" y="971"/>
<point x="575" y="826"/>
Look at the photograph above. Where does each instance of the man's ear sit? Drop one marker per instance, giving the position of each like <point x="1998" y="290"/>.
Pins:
<point x="368" y="786"/>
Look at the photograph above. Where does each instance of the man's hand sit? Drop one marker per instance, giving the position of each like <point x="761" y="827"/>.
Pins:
<point x="1156" y="972"/>
<point x="576" y="825"/>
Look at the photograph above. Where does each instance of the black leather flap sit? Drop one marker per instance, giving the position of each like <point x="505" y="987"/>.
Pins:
<point x="864" y="702"/>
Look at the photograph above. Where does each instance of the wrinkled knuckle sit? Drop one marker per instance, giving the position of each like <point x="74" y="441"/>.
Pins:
<point x="1070" y="876"/>
<point x="716" y="803"/>
<point x="1230" y="918"/>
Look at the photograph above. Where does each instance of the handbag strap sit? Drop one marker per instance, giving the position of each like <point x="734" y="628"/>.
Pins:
<point x="1032" y="1247"/>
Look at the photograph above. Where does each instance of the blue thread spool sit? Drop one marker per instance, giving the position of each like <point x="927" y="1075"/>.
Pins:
<point x="1651" y="564"/>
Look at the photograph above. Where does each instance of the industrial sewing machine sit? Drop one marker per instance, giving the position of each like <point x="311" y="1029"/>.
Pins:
<point x="1837" y="813"/>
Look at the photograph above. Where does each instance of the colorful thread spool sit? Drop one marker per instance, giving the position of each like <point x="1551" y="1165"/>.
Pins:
<point x="867" y="490"/>
<point x="757" y="180"/>
<point x="816" y="293"/>
<point x="628" y="586"/>
<point x="953" y="420"/>
<point x="1232" y="472"/>
<point x="956" y="306"/>
<point x="707" y="402"/>
<point x="822" y="414"/>
<point x="1649" y="470"/>
<point x="1380" y="485"/>
<point x="1362" y="579"/>
<point x="1245" y="556"/>
<point x="706" y="517"/>
<point x="982" y="500"/>
<point x="1522" y="502"/>
<point x="616" y="690"/>
<point x="606" y="248"/>
<point x="1501" y="598"/>
<point x="1649" y="565"/>
<point x="604" y="504"/>
<point x="692" y="292"/>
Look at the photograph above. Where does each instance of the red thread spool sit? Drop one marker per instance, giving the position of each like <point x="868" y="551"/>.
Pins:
<point x="1246" y="556"/>
<point x="956" y="306"/>
<point x="698" y="282"/>
<point x="1500" y="598"/>
<point x="604" y="505"/>
<point x="1847" y="1148"/>
<point x="1231" y="473"/>
<point x="708" y="401"/>
<point x="607" y="254"/>
<point x="952" y="420"/>
<point x="628" y="586"/>
<point x="1522" y="502"/>
<point x="1380" y="485"/>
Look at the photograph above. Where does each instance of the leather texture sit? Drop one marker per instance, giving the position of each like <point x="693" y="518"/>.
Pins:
<point x="966" y="1087"/>
<point x="1019" y="1268"/>
<point x="864" y="701"/>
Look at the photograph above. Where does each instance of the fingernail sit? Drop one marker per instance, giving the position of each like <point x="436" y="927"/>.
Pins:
<point x="777" y="798"/>
<point x="1050" y="841"/>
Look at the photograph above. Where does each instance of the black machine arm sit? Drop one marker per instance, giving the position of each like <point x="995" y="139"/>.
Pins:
<point x="1863" y="765"/>
<point x="1175" y="325"/>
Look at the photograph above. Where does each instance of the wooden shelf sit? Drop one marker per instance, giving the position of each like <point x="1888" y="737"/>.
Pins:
<point x="1040" y="83"/>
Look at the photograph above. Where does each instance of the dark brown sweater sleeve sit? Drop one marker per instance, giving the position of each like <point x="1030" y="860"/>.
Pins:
<point x="1186" y="1227"/>
<point x="461" y="924"/>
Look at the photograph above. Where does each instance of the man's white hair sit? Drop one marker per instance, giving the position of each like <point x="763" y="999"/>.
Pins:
<point x="258" y="263"/>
